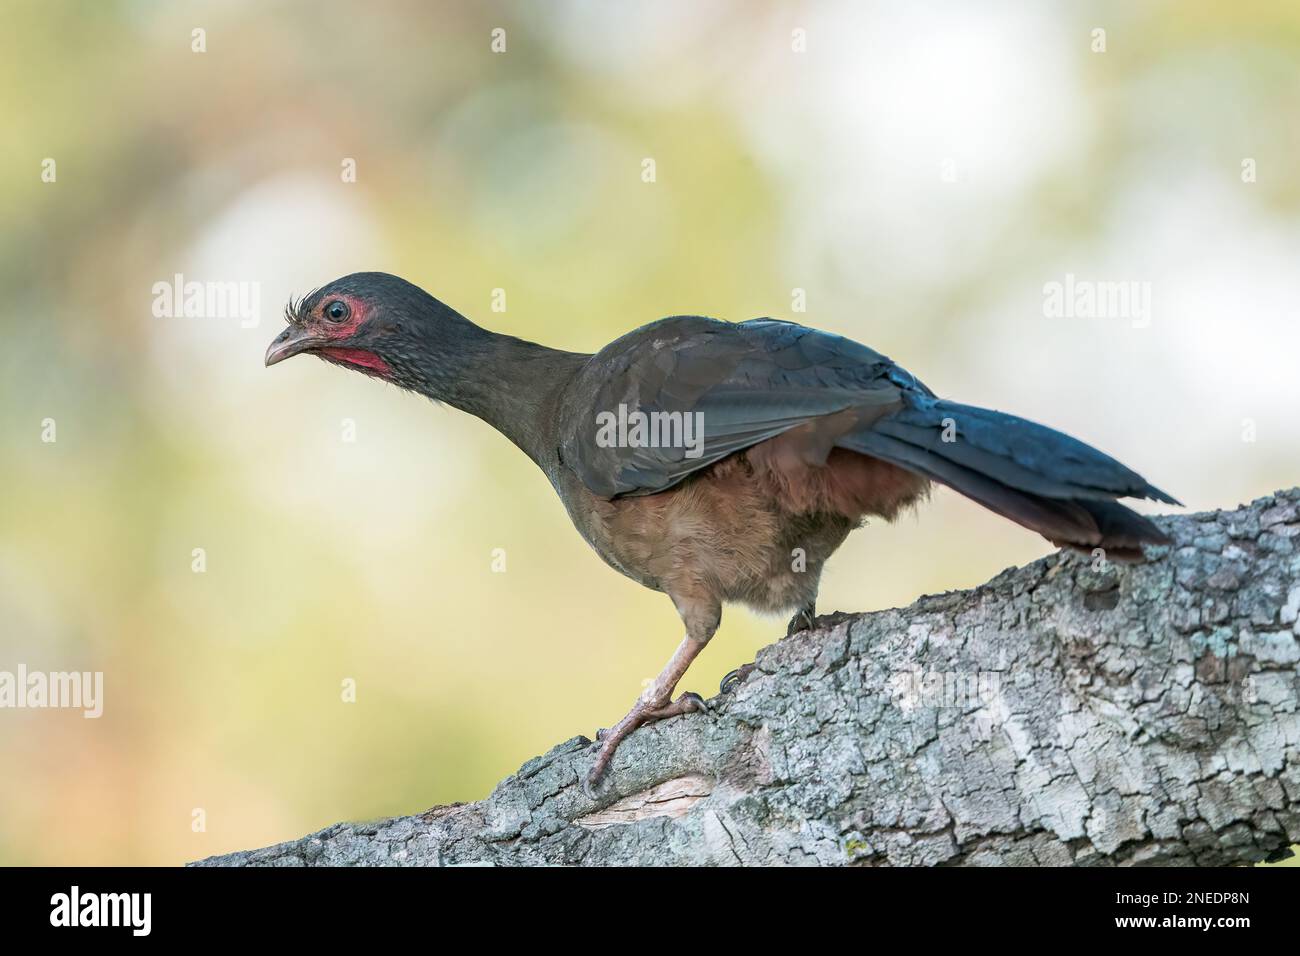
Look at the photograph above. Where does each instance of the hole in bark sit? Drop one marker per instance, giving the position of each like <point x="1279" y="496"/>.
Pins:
<point x="1101" y="600"/>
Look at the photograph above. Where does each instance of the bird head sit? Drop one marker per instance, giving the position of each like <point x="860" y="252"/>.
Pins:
<point x="377" y="324"/>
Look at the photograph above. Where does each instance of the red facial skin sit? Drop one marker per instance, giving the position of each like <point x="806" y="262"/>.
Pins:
<point x="359" y="357"/>
<point x="341" y="331"/>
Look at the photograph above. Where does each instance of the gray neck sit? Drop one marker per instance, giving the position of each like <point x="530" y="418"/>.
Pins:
<point x="511" y="384"/>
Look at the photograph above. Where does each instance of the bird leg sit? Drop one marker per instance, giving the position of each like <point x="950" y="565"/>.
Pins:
<point x="655" y="702"/>
<point x="802" y="621"/>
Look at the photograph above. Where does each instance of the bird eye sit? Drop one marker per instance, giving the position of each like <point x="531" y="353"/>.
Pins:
<point x="337" y="310"/>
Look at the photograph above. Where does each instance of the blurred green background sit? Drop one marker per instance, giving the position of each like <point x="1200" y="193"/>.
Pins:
<point x="920" y="171"/>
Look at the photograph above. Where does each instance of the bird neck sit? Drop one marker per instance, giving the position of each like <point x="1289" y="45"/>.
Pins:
<point x="510" y="383"/>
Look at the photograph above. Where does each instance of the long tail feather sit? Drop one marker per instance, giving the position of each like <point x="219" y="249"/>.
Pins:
<point x="1034" y="475"/>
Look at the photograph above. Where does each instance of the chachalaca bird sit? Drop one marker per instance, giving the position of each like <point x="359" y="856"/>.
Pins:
<point x="718" y="461"/>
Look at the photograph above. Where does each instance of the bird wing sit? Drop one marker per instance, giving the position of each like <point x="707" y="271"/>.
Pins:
<point x="740" y="383"/>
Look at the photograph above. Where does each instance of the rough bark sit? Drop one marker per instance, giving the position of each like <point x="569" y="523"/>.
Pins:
<point x="1066" y="712"/>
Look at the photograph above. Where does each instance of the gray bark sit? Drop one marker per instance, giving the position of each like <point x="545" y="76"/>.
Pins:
<point x="1066" y="712"/>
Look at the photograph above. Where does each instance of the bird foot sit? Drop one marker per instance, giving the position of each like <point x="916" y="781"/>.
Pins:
<point x="643" y="712"/>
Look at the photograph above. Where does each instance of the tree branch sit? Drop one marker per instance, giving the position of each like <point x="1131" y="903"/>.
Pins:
<point x="1066" y="712"/>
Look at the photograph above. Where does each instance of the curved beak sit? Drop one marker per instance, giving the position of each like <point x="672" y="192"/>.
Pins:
<point x="289" y="343"/>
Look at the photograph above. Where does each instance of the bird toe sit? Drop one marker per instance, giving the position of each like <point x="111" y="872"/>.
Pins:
<point x="735" y="678"/>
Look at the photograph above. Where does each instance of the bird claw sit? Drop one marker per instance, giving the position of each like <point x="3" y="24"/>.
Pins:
<point x="805" y="619"/>
<point x="590" y="784"/>
<point x="735" y="678"/>
<point x="689" y="703"/>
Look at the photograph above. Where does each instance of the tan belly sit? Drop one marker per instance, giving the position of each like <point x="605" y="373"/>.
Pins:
<point x="755" y="528"/>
